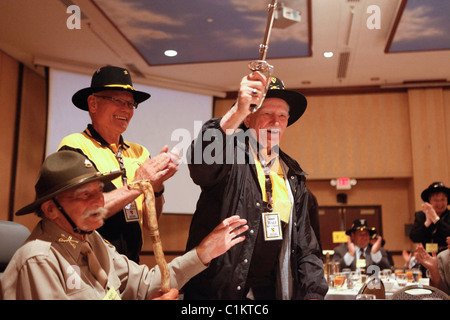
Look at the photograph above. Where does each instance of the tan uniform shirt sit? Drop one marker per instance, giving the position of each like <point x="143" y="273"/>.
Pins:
<point x="50" y="266"/>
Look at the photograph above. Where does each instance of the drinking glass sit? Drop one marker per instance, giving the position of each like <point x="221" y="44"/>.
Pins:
<point x="409" y="273"/>
<point x="417" y="275"/>
<point x="387" y="273"/>
<point x="355" y="276"/>
<point x="402" y="279"/>
<point x="339" y="280"/>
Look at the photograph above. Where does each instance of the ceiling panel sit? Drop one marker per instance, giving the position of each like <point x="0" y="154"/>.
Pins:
<point x="423" y="26"/>
<point x="205" y="30"/>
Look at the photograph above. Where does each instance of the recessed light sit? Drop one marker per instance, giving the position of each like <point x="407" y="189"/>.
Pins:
<point x="328" y="54"/>
<point x="170" y="53"/>
<point x="209" y="20"/>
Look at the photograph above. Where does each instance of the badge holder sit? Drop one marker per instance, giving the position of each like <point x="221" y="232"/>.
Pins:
<point x="131" y="212"/>
<point x="272" y="226"/>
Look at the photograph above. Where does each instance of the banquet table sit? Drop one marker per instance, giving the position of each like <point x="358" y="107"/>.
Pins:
<point x="345" y="293"/>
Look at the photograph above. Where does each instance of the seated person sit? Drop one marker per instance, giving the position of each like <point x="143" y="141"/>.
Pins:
<point x="358" y="251"/>
<point x="65" y="258"/>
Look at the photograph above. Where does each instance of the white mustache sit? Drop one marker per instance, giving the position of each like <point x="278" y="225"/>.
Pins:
<point x="100" y="213"/>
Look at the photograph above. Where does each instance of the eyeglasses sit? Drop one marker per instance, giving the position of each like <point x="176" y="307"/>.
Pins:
<point x="119" y="102"/>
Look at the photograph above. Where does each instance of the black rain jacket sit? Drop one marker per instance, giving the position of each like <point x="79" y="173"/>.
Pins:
<point x="229" y="186"/>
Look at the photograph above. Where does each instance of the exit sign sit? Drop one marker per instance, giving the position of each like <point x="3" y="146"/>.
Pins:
<point x="343" y="184"/>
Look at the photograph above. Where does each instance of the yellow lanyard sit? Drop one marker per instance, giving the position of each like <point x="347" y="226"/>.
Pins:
<point x="278" y="196"/>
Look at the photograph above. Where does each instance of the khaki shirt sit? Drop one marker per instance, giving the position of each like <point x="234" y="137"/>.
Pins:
<point x="50" y="266"/>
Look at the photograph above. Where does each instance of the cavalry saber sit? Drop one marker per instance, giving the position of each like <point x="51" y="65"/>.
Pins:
<point x="261" y="64"/>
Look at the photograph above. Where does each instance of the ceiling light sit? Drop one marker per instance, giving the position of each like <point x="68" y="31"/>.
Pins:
<point x="170" y="53"/>
<point x="328" y="54"/>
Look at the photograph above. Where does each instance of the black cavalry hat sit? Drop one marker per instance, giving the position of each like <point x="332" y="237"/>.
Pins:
<point x="360" y="224"/>
<point x="434" y="188"/>
<point x="296" y="101"/>
<point x="108" y="78"/>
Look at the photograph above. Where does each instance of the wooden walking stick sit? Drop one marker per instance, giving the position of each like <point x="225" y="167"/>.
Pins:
<point x="151" y="223"/>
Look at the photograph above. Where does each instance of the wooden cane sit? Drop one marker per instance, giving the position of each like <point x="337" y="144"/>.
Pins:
<point x="151" y="223"/>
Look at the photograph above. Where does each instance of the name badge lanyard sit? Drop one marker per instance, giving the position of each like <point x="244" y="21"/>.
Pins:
<point x="271" y="220"/>
<point x="131" y="212"/>
<point x="121" y="165"/>
<point x="268" y="183"/>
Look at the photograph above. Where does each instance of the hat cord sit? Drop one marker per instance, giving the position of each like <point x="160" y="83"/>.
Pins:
<point x="75" y="228"/>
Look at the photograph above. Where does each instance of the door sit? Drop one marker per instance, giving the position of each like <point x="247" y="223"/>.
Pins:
<point x="340" y="218"/>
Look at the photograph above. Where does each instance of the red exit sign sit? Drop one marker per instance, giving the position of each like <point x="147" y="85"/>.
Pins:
<point x="343" y="183"/>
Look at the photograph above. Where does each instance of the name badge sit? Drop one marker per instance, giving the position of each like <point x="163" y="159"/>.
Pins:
<point x="430" y="247"/>
<point x="131" y="212"/>
<point x="272" y="226"/>
<point x="361" y="263"/>
<point x="112" y="295"/>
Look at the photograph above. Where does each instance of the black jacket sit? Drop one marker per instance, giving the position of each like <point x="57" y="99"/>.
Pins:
<point x="435" y="233"/>
<point x="233" y="188"/>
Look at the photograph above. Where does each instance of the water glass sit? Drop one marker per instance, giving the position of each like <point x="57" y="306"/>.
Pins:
<point x="402" y="279"/>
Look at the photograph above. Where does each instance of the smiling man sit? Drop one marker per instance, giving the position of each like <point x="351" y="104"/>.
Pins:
<point x="65" y="258"/>
<point x="111" y="102"/>
<point x="432" y="225"/>
<point x="279" y="258"/>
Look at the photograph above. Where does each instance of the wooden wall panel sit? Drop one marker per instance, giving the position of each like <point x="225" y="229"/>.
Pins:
<point x="31" y="146"/>
<point x="355" y="135"/>
<point x="429" y="132"/>
<point x="9" y="82"/>
<point x="446" y="96"/>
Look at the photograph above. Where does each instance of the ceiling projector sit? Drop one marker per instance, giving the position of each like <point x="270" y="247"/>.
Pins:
<point x="284" y="17"/>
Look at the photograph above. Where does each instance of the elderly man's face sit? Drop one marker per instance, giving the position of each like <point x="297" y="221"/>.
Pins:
<point x="439" y="202"/>
<point x="84" y="205"/>
<point x="112" y="116"/>
<point x="271" y="118"/>
<point x="361" y="238"/>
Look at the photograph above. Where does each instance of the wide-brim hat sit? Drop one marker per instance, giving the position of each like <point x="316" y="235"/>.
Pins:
<point x="435" y="187"/>
<point x="296" y="101"/>
<point x="108" y="78"/>
<point x="62" y="171"/>
<point x="361" y="224"/>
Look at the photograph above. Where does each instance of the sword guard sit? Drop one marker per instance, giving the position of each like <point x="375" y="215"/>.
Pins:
<point x="267" y="69"/>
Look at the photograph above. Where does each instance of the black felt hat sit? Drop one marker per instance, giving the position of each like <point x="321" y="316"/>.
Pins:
<point x="296" y="101"/>
<point x="435" y="187"/>
<point x="360" y="224"/>
<point x="108" y="78"/>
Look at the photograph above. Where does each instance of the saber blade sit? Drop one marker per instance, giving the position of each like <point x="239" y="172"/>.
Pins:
<point x="262" y="65"/>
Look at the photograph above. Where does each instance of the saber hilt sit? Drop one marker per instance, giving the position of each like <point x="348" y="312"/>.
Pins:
<point x="261" y="65"/>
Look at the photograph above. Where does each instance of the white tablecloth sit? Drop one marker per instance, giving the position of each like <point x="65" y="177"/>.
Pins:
<point x="350" y="294"/>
